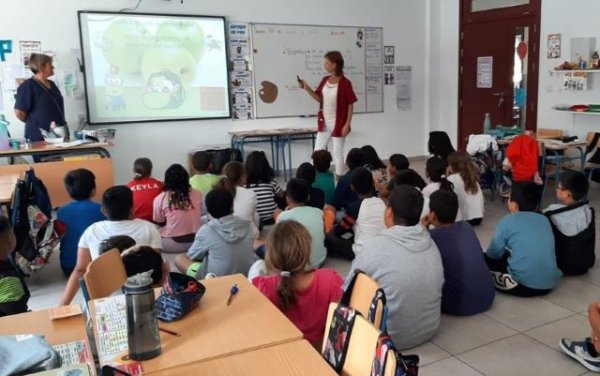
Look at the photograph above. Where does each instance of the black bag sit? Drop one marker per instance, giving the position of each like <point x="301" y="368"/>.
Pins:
<point x="220" y="157"/>
<point x="338" y="337"/>
<point x="575" y="255"/>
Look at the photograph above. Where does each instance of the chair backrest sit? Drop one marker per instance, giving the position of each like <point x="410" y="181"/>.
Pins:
<point x="362" y="295"/>
<point x="549" y="133"/>
<point x="362" y="347"/>
<point x="105" y="275"/>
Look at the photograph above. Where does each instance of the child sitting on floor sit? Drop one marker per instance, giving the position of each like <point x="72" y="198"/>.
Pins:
<point x="521" y="255"/>
<point x="302" y="295"/>
<point x="379" y="170"/>
<point x="223" y="246"/>
<point x="435" y="168"/>
<point x="586" y="352"/>
<point x="344" y="196"/>
<point x="14" y="294"/>
<point x="297" y="193"/>
<point x="324" y="180"/>
<point x="78" y="215"/>
<point x="145" y="189"/>
<point x="463" y="175"/>
<point x="260" y="178"/>
<point x="468" y="288"/>
<point x="307" y="172"/>
<point x="203" y="181"/>
<point x="139" y="259"/>
<point x="573" y="224"/>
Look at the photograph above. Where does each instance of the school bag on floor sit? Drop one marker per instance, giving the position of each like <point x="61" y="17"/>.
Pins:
<point x="37" y="234"/>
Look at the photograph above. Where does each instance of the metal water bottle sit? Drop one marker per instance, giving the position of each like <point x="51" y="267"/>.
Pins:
<point x="142" y="324"/>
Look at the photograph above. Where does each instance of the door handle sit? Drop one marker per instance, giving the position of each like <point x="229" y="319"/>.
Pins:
<point x="500" y="98"/>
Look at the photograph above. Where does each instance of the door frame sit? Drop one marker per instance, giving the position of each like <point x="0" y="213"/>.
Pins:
<point x="530" y="12"/>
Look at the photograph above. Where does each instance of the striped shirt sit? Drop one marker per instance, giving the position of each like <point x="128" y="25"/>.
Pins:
<point x="265" y="198"/>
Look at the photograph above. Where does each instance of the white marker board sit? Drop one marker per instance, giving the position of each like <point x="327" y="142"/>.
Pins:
<point x="280" y="52"/>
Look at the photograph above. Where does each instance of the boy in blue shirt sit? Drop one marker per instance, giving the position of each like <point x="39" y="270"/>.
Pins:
<point x="78" y="215"/>
<point x="521" y="255"/>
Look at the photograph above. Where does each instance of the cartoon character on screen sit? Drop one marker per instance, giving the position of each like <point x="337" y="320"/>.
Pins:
<point x="163" y="90"/>
<point x="114" y="90"/>
<point x="212" y="44"/>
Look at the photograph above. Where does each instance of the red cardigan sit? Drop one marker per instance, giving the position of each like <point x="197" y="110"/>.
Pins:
<point x="522" y="153"/>
<point x="345" y="97"/>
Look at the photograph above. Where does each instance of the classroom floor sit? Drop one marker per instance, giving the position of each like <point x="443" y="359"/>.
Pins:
<point x="516" y="336"/>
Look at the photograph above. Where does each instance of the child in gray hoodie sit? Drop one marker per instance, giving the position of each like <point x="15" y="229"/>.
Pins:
<point x="223" y="246"/>
<point x="406" y="263"/>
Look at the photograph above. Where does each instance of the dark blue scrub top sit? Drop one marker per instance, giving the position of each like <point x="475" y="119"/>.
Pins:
<point x="42" y="106"/>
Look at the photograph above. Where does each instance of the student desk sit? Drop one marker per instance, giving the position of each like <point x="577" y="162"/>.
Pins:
<point x="214" y="329"/>
<point x="67" y="158"/>
<point x="278" y="138"/>
<point x="293" y="358"/>
<point x="7" y="186"/>
<point x="56" y="332"/>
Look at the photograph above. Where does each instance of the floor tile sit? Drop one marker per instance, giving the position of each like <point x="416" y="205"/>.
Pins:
<point x="459" y="334"/>
<point x="575" y="327"/>
<point x="428" y="353"/>
<point x="525" y="313"/>
<point x="446" y="367"/>
<point x="574" y="294"/>
<point x="520" y="356"/>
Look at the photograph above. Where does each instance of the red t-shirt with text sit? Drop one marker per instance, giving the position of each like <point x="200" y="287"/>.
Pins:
<point x="144" y="192"/>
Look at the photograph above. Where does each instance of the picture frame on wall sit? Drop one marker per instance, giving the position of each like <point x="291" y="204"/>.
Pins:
<point x="389" y="55"/>
<point x="554" y="46"/>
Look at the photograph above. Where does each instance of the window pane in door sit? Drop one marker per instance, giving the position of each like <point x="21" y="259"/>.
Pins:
<point x="481" y="5"/>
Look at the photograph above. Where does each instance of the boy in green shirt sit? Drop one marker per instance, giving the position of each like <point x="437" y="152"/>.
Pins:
<point x="14" y="294"/>
<point x="203" y="181"/>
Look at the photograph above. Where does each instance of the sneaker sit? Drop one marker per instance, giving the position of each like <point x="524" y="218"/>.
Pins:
<point x="579" y="351"/>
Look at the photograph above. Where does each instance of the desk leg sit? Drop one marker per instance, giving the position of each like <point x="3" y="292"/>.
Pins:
<point x="290" y="155"/>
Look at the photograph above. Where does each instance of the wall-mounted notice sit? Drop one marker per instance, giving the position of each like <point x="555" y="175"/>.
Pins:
<point x="242" y="83"/>
<point x="27" y="47"/>
<point x="404" y="87"/>
<point x="374" y="69"/>
<point x="485" y="72"/>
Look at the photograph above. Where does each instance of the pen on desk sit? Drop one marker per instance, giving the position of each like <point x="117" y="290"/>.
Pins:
<point x="169" y="331"/>
<point x="234" y="290"/>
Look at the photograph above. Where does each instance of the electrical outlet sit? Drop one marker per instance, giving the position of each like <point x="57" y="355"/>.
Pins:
<point x="81" y="119"/>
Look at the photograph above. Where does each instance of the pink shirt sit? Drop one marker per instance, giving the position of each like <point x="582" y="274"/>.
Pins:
<point x="310" y="312"/>
<point x="178" y="222"/>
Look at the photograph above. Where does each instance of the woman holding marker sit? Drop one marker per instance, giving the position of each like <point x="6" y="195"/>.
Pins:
<point x="336" y="99"/>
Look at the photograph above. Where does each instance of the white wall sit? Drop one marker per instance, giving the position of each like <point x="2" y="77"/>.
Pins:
<point x="580" y="24"/>
<point x="55" y="24"/>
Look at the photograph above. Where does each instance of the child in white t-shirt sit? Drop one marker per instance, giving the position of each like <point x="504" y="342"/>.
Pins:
<point x="117" y="204"/>
<point x="462" y="173"/>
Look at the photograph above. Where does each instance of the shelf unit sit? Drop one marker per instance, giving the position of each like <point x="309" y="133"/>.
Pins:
<point x="576" y="71"/>
<point x="578" y="112"/>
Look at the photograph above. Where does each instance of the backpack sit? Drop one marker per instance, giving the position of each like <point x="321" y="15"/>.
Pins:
<point x="37" y="234"/>
<point x="574" y="254"/>
<point x="406" y="365"/>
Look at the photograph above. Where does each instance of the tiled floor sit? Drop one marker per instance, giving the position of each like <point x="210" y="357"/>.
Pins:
<point x="515" y="337"/>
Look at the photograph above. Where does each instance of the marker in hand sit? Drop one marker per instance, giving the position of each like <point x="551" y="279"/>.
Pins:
<point x="234" y="290"/>
<point x="300" y="82"/>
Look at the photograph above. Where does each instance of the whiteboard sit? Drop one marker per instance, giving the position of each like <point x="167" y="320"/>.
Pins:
<point x="280" y="52"/>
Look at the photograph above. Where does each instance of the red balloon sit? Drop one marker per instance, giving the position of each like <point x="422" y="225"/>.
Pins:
<point x="522" y="49"/>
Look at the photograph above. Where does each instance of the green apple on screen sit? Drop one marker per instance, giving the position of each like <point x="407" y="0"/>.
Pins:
<point x="125" y="42"/>
<point x="184" y="33"/>
<point x="168" y="56"/>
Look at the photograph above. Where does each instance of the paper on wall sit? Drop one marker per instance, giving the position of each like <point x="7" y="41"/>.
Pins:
<point x="26" y="48"/>
<point x="53" y="54"/>
<point x="403" y="87"/>
<point x="12" y="76"/>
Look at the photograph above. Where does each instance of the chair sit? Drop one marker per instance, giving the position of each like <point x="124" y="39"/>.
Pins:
<point x="362" y="295"/>
<point x="591" y="151"/>
<point x="105" y="275"/>
<point x="361" y="349"/>
<point x="553" y="134"/>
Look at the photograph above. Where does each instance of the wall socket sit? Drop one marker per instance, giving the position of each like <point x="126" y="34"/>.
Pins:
<point x="81" y="119"/>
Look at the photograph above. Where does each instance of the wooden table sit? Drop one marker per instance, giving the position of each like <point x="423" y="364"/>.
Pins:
<point x="293" y="358"/>
<point x="7" y="186"/>
<point x="214" y="330"/>
<point x="52" y="173"/>
<point x="38" y="322"/>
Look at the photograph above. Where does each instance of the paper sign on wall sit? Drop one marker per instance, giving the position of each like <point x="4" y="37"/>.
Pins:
<point x="485" y="72"/>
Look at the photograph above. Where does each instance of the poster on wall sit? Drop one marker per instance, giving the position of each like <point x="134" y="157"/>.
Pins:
<point x="554" y="46"/>
<point x="388" y="55"/>
<point x="575" y="81"/>
<point x="485" y="72"/>
<point x="242" y="93"/>
<point x="389" y="75"/>
<point x="26" y="48"/>
<point x="403" y="87"/>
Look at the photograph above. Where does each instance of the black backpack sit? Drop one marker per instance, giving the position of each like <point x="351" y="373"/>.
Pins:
<point x="575" y="255"/>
